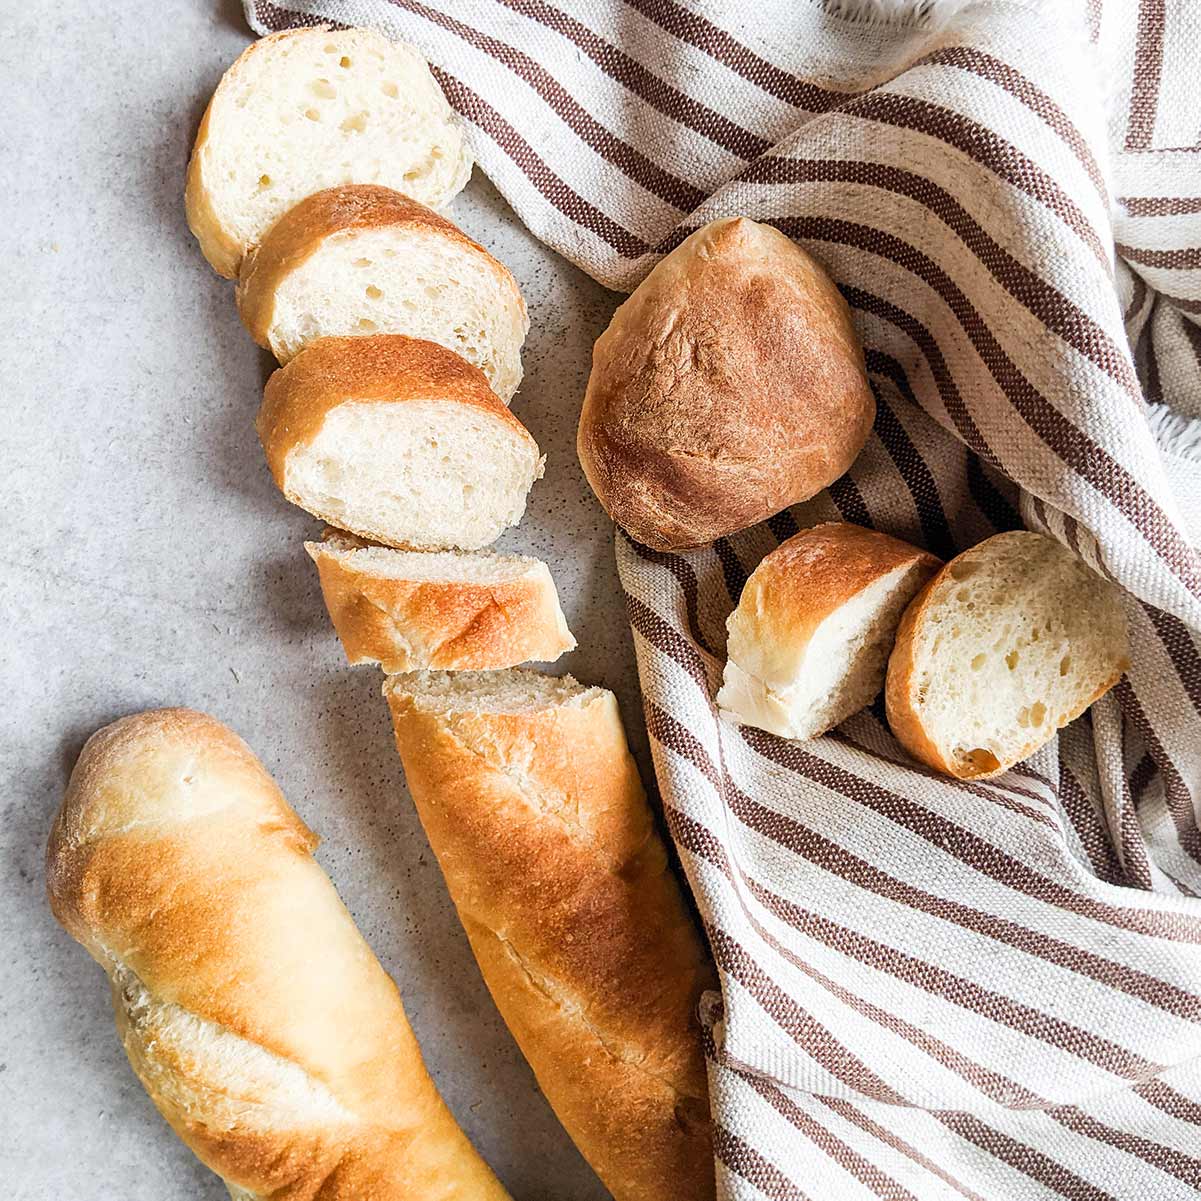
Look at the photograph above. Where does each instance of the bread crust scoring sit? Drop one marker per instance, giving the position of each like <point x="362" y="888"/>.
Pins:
<point x="257" y="1019"/>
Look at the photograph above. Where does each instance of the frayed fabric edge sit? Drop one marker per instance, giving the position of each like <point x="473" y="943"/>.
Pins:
<point x="919" y="13"/>
<point x="1176" y="433"/>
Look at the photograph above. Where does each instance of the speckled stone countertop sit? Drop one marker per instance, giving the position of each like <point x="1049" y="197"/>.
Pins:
<point x="151" y="562"/>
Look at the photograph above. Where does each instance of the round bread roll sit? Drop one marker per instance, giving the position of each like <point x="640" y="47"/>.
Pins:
<point x="364" y="259"/>
<point x="728" y="386"/>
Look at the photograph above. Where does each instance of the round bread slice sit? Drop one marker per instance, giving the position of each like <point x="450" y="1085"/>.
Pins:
<point x="308" y="109"/>
<point x="810" y="638"/>
<point x="1009" y="642"/>
<point x="440" y="610"/>
<point x="365" y="259"/>
<point x="397" y="440"/>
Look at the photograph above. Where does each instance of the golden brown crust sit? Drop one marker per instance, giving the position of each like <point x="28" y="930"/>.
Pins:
<point x="177" y="862"/>
<point x="902" y="716"/>
<point x="301" y="230"/>
<point x="382" y="368"/>
<point x="729" y="385"/>
<point x="817" y="571"/>
<point x="448" y="625"/>
<point x="546" y="841"/>
<point x="223" y="252"/>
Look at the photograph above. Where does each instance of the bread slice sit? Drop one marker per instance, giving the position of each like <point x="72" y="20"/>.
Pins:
<point x="308" y="109"/>
<point x="811" y="635"/>
<point x="445" y="610"/>
<point x="365" y="259"/>
<point x="1009" y="642"/>
<point x="397" y="440"/>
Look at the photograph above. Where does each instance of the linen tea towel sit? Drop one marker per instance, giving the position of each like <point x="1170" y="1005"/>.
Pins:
<point x="930" y="989"/>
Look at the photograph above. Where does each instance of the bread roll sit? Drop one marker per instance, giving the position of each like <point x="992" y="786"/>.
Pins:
<point x="729" y="386"/>
<point x="450" y="610"/>
<point x="811" y="636"/>
<point x="397" y="440"/>
<point x="533" y="807"/>
<point x="308" y="109"/>
<point x="365" y="259"/>
<point x="1007" y="643"/>
<point x="250" y="1008"/>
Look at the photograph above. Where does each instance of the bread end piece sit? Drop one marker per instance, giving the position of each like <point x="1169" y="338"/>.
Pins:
<point x="811" y="635"/>
<point x="1009" y="642"/>
<point x="533" y="805"/>
<point x="446" y="611"/>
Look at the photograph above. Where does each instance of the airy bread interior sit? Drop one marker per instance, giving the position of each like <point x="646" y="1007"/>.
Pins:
<point x="1016" y="638"/>
<point x="447" y="566"/>
<point x="322" y="107"/>
<point x="404" y="280"/>
<point x="515" y="690"/>
<point x="428" y="474"/>
<point x="840" y="670"/>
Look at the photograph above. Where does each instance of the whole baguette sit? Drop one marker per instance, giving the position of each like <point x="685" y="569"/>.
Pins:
<point x="249" y="1005"/>
<point x="542" y="830"/>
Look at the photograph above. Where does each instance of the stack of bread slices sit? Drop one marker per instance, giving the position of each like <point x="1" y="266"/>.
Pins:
<point x="315" y="181"/>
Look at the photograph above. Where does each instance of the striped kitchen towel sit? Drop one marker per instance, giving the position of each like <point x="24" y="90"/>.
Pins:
<point x="930" y="989"/>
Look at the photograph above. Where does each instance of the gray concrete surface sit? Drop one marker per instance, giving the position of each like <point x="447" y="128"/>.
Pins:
<point x="151" y="561"/>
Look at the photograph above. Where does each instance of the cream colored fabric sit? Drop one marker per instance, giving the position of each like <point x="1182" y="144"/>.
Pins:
<point x="930" y="990"/>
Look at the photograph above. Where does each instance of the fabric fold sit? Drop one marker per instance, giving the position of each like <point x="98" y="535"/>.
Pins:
<point x="930" y="988"/>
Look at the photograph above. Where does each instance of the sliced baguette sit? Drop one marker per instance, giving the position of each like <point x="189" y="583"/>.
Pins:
<point x="1009" y="642"/>
<point x="397" y="440"/>
<point x="365" y="259"/>
<point x="448" y="610"/>
<point x="810" y="638"/>
<point x="308" y="109"/>
<point x="533" y="807"/>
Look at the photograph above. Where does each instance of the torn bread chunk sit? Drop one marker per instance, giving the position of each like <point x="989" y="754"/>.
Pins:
<point x="810" y="638"/>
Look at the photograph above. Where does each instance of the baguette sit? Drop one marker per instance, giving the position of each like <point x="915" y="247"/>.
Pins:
<point x="365" y="259"/>
<point x="533" y="807"/>
<point x="250" y="1008"/>
<point x="810" y="638"/>
<point x="728" y="386"/>
<point x="397" y="440"/>
<point x="1009" y="642"/>
<point x="308" y="109"/>
<point x="452" y="611"/>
